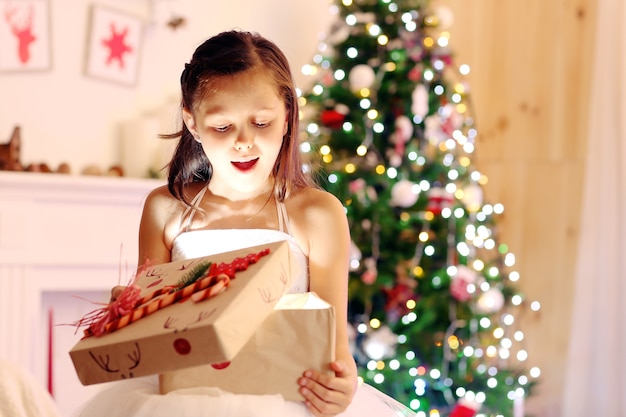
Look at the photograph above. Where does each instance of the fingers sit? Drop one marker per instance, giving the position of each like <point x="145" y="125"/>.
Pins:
<point x="115" y="292"/>
<point x="327" y="395"/>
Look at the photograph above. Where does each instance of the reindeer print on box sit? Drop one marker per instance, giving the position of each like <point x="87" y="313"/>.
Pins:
<point x="24" y="35"/>
<point x="184" y="313"/>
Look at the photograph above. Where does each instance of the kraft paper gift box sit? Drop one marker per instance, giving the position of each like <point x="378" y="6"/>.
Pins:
<point x="188" y="333"/>
<point x="298" y="335"/>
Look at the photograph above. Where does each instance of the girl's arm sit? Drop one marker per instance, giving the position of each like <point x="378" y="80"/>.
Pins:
<point x="155" y="236"/>
<point x="153" y="248"/>
<point x="328" y="236"/>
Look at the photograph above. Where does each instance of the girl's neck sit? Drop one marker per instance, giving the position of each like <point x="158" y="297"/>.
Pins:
<point x="237" y="196"/>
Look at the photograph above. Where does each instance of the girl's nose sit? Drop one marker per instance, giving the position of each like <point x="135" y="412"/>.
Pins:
<point x="245" y="140"/>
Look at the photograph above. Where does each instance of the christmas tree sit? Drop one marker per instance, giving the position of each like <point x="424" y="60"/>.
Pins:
<point x="388" y="124"/>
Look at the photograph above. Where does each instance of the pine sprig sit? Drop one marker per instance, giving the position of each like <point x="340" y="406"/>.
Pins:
<point x="197" y="272"/>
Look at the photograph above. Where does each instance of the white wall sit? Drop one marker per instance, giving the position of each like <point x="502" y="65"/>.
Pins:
<point x="68" y="117"/>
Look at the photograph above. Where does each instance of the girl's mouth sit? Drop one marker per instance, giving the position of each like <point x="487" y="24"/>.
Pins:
<point x="245" y="166"/>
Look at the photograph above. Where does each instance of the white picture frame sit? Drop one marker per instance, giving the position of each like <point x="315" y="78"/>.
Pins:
<point x="24" y="35"/>
<point x="114" y="46"/>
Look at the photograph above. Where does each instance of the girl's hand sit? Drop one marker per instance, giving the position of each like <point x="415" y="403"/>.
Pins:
<point x="115" y="292"/>
<point x="327" y="395"/>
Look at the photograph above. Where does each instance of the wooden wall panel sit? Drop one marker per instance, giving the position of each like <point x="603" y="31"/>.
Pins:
<point x="531" y="65"/>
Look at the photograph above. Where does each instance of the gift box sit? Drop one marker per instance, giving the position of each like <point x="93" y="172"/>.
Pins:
<point x="162" y="335"/>
<point x="298" y="335"/>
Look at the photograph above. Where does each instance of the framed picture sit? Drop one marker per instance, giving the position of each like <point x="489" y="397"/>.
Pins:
<point x="114" y="45"/>
<point x="24" y="35"/>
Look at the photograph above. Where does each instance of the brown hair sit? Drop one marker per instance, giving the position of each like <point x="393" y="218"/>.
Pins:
<point x="226" y="54"/>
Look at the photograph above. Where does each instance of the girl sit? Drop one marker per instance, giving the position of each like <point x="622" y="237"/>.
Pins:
<point x="236" y="180"/>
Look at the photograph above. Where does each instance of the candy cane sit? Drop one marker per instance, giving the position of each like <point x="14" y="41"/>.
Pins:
<point x="204" y="285"/>
<point x="216" y="279"/>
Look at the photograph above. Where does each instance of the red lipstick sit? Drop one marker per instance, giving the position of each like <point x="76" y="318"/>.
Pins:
<point x="245" y="166"/>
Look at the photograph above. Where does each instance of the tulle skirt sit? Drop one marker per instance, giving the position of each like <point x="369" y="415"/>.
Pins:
<point x="139" y="397"/>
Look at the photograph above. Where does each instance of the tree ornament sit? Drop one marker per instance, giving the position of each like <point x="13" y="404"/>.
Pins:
<point x="433" y="129"/>
<point x="361" y="76"/>
<point x="472" y="197"/>
<point x="397" y="298"/>
<point x="371" y="271"/>
<point x="438" y="199"/>
<point x="419" y="105"/>
<point x="489" y="302"/>
<point x="463" y="283"/>
<point x="404" y="129"/>
<point x="465" y="408"/>
<point x="395" y="160"/>
<point x="332" y="118"/>
<point x="404" y="193"/>
<point x="380" y="344"/>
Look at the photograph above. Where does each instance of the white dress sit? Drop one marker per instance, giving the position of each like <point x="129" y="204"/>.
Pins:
<point x="139" y="397"/>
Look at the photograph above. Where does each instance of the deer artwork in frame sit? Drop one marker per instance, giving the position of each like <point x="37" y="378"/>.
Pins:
<point x="24" y="35"/>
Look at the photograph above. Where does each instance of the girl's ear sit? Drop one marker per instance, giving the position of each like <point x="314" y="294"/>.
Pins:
<point x="190" y="123"/>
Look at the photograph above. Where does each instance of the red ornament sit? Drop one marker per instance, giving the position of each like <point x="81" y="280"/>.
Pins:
<point x="465" y="408"/>
<point x="397" y="298"/>
<point x="462" y="411"/>
<point x="438" y="199"/>
<point x="332" y="119"/>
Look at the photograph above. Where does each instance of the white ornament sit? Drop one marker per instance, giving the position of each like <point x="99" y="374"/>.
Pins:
<point x="404" y="193"/>
<point x="419" y="105"/>
<point x="490" y="301"/>
<point x="473" y="197"/>
<point x="380" y="344"/>
<point x="361" y="76"/>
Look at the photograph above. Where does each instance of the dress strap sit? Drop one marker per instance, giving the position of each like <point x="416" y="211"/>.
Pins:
<point x="189" y="212"/>
<point x="283" y="219"/>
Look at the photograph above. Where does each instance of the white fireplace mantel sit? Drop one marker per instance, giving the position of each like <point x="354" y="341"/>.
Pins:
<point x="60" y="233"/>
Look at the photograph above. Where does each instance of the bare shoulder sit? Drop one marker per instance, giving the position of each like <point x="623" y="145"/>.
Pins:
<point x="161" y="216"/>
<point x="314" y="203"/>
<point x="159" y="199"/>
<point x="314" y="214"/>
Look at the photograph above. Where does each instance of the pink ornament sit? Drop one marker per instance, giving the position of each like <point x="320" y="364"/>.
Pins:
<point x="404" y="129"/>
<point x="371" y="272"/>
<point x="461" y="282"/>
<point x="357" y="185"/>
<point x="368" y="277"/>
<point x="419" y="105"/>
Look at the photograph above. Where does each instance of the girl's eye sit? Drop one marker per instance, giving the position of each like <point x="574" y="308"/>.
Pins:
<point x="261" y="125"/>
<point x="222" y="128"/>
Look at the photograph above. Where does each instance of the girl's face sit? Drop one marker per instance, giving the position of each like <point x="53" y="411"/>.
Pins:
<point x="240" y="122"/>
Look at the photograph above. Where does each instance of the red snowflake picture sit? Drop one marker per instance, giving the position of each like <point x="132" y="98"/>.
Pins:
<point x="114" y="45"/>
